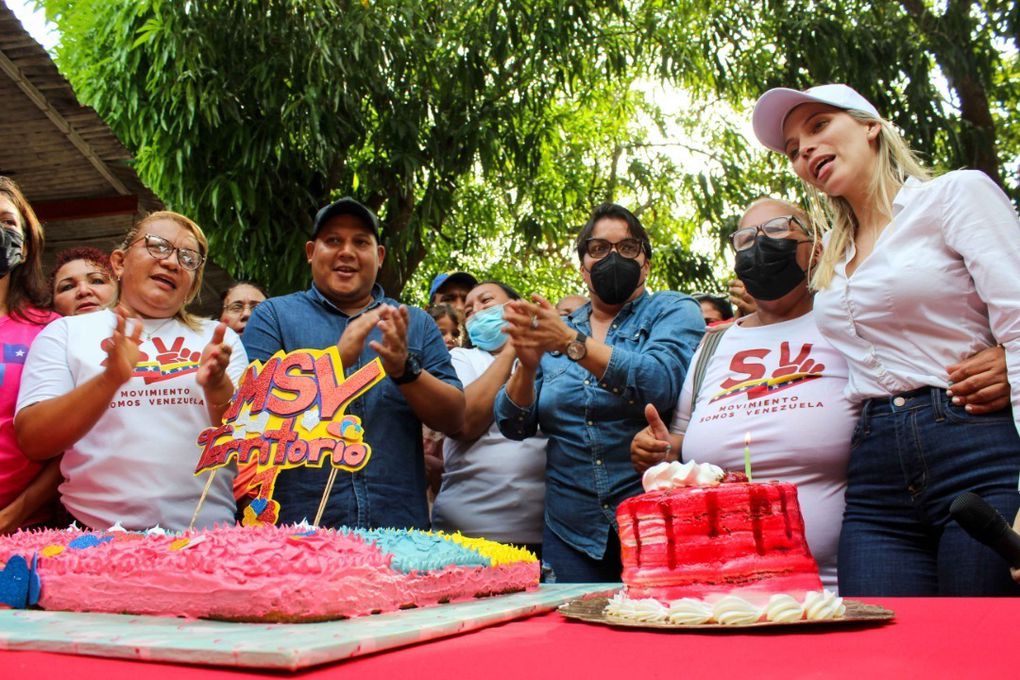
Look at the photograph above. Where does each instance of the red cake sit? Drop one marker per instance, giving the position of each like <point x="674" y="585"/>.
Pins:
<point x="700" y="546"/>
<point x="735" y="538"/>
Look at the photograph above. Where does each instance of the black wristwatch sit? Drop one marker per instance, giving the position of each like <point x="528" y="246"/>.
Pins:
<point x="412" y="369"/>
<point x="576" y="348"/>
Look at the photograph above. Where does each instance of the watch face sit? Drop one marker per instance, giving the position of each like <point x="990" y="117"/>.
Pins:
<point x="576" y="350"/>
<point x="412" y="369"/>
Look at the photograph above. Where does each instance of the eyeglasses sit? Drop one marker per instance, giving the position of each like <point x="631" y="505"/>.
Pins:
<point x="598" y="248"/>
<point x="776" y="228"/>
<point x="239" y="307"/>
<point x="161" y="249"/>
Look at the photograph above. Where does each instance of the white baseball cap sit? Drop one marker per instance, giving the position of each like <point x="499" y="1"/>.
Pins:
<point x="774" y="106"/>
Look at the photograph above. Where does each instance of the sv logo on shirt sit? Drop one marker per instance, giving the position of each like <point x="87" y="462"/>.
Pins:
<point x="170" y="362"/>
<point x="754" y="372"/>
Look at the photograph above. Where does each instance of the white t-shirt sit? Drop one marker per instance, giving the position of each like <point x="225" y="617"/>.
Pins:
<point x="492" y="487"/>
<point x="136" y="465"/>
<point x="783" y="384"/>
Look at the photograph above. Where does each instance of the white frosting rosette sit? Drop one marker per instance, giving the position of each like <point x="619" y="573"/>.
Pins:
<point x="730" y="610"/>
<point x="673" y="475"/>
<point x="646" y="610"/>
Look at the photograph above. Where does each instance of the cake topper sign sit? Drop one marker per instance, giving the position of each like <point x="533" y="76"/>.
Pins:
<point x="289" y="412"/>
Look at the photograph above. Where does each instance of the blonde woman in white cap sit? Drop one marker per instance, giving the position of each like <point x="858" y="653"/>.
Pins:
<point x="917" y="274"/>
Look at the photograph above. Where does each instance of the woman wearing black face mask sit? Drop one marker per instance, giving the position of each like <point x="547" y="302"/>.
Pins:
<point x="27" y="489"/>
<point x="585" y="379"/>
<point x="771" y="376"/>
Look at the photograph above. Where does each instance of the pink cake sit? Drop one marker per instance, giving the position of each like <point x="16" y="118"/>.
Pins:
<point x="269" y="573"/>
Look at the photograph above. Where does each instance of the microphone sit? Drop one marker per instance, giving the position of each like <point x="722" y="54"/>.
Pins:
<point x="984" y="523"/>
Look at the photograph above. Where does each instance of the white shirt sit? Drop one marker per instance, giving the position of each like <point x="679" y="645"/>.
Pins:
<point x="782" y="384"/>
<point x="492" y="487"/>
<point x="942" y="283"/>
<point x="136" y="465"/>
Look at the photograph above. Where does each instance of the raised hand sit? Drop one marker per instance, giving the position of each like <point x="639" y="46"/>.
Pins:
<point x="743" y="303"/>
<point x="651" y="445"/>
<point x="122" y="349"/>
<point x="212" y="367"/>
<point x="393" y="348"/>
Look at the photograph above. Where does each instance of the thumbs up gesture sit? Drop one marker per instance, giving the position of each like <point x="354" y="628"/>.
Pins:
<point x="653" y="444"/>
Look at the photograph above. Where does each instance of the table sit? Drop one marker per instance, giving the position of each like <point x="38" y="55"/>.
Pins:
<point x="930" y="638"/>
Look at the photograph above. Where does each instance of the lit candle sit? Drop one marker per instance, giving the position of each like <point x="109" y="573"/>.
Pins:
<point x="747" y="455"/>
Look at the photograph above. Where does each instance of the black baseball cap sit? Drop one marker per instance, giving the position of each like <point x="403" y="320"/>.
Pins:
<point x="346" y="206"/>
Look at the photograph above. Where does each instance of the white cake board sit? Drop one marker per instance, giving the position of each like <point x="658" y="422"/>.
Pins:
<point x="279" y="646"/>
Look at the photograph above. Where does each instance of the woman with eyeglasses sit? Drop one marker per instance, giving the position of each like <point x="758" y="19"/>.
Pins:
<point x="124" y="393"/>
<point x="239" y="301"/>
<point x="27" y="488"/>
<point x="81" y="281"/>
<point x="585" y="380"/>
<point x="770" y="376"/>
<point x="918" y="273"/>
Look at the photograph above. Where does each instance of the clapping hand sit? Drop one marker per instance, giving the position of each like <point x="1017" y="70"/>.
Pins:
<point x="352" y="340"/>
<point x="122" y="350"/>
<point x="392" y="350"/>
<point x="212" y="367"/>
<point x="535" y="326"/>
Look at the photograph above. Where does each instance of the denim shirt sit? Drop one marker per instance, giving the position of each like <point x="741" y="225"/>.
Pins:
<point x="590" y="422"/>
<point x="390" y="490"/>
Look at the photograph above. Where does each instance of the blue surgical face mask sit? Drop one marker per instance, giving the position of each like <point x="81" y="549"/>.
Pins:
<point x="485" y="329"/>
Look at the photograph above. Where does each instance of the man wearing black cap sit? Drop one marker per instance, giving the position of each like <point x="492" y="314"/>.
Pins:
<point x="346" y="307"/>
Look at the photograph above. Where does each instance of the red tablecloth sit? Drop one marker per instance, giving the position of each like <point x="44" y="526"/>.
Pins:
<point x="930" y="638"/>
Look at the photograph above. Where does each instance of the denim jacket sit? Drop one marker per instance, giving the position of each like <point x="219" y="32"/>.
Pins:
<point x="590" y="422"/>
<point x="390" y="490"/>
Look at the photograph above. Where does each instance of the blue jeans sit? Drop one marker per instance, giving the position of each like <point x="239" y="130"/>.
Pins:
<point x="563" y="563"/>
<point x="911" y="456"/>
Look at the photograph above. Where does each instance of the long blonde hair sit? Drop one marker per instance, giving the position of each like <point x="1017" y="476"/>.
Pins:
<point x="895" y="163"/>
<point x="183" y="315"/>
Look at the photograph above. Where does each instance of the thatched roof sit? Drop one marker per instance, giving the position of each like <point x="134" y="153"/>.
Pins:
<point x="71" y="166"/>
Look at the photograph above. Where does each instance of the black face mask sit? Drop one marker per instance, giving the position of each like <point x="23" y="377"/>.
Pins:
<point x="769" y="268"/>
<point x="10" y="251"/>
<point x="615" y="278"/>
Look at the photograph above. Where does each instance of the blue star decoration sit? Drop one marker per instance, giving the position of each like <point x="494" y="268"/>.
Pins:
<point x="19" y="583"/>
